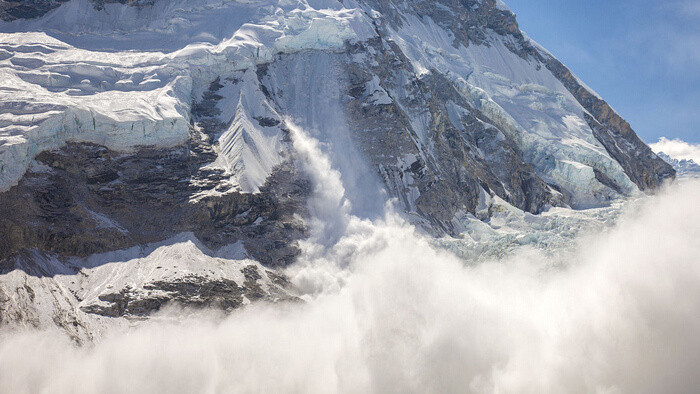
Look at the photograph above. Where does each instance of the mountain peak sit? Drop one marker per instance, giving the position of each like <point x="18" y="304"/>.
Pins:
<point x="130" y="123"/>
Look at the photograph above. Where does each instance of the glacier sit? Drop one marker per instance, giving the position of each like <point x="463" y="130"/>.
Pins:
<point x="58" y="91"/>
<point x="60" y="69"/>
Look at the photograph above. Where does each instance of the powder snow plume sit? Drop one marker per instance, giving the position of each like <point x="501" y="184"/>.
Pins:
<point x="386" y="311"/>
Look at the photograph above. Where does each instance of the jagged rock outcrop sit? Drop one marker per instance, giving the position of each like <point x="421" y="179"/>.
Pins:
<point x="28" y="9"/>
<point x="85" y="199"/>
<point x="191" y="291"/>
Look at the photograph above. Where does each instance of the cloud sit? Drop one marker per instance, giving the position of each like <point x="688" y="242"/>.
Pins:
<point x="677" y="149"/>
<point x="387" y="311"/>
<point x="619" y="314"/>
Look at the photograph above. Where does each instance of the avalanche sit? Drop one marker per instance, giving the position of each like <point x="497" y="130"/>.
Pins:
<point x="327" y="196"/>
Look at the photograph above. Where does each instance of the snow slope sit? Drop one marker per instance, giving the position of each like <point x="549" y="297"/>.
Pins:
<point x="81" y="76"/>
<point x="521" y="97"/>
<point x="126" y="76"/>
<point x="55" y="83"/>
<point x="81" y="296"/>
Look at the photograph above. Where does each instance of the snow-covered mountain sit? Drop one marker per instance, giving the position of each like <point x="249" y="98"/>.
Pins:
<point x="129" y="128"/>
<point x="684" y="167"/>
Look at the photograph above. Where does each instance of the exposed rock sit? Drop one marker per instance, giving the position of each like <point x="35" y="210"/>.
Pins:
<point x="29" y="9"/>
<point x="191" y="291"/>
<point x="91" y="200"/>
<point x="643" y="166"/>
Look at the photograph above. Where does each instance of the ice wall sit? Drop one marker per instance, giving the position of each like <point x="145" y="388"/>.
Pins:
<point x="126" y="76"/>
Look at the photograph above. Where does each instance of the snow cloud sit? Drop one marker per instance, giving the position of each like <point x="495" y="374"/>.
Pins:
<point x="388" y="312"/>
<point x="677" y="149"/>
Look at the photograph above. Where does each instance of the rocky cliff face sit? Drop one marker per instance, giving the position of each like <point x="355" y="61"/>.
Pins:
<point x="126" y="129"/>
<point x="29" y="9"/>
<point x="475" y="22"/>
<point x="11" y="10"/>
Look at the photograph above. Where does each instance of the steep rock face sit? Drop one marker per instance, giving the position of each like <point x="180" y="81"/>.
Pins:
<point x="85" y="199"/>
<point x="450" y="152"/>
<point x="28" y="9"/>
<point x="476" y="29"/>
<point x="131" y="128"/>
<point x="641" y="165"/>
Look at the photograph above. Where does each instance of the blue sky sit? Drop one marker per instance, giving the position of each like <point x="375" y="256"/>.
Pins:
<point x="642" y="56"/>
